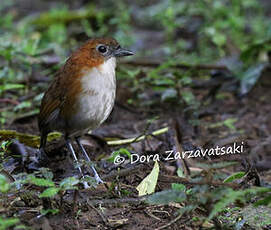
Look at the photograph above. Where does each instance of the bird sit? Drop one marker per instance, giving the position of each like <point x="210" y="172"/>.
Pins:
<point x="81" y="96"/>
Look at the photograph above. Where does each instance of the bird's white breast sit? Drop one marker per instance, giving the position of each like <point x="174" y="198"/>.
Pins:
<point x="98" y="95"/>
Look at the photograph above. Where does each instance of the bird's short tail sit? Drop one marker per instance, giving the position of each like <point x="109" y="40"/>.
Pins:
<point x="42" y="156"/>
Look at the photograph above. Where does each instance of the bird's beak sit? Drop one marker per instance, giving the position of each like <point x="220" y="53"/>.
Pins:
<point x="122" y="52"/>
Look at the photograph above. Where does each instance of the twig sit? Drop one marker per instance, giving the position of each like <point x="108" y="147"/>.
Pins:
<point x="171" y="222"/>
<point x="131" y="110"/>
<point x="123" y="172"/>
<point x="8" y="100"/>
<point x="7" y="175"/>
<point x="137" y="200"/>
<point x="181" y="163"/>
<point x="75" y="198"/>
<point x="154" y="64"/>
<point x="99" y="213"/>
<point x="174" y="179"/>
<point x="144" y="132"/>
<point x="136" y="139"/>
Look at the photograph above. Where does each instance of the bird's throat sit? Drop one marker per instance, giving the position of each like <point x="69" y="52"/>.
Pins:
<point x="100" y="78"/>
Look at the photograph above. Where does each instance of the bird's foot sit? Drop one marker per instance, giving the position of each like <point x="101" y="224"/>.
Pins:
<point x="86" y="185"/>
<point x="98" y="179"/>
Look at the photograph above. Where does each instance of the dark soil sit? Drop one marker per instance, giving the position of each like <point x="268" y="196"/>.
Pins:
<point x="253" y="118"/>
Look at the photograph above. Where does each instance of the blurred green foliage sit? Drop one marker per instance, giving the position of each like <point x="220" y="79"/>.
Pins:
<point x="7" y="223"/>
<point x="192" y="31"/>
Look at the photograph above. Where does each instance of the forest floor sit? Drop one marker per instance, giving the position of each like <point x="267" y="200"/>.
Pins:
<point x="252" y="114"/>
<point x="218" y="116"/>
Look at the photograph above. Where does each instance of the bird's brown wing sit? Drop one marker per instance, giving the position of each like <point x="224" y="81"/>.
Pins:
<point x="50" y="105"/>
<point x="60" y="99"/>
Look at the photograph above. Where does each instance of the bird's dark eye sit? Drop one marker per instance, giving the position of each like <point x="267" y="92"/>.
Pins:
<point x="102" y="49"/>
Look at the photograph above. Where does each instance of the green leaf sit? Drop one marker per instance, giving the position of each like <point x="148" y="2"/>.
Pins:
<point x="6" y="87"/>
<point x="23" y="105"/>
<point x="57" y="33"/>
<point x="123" y="151"/>
<point x="250" y="77"/>
<point x="30" y="46"/>
<point x="234" y="176"/>
<point x="40" y="181"/>
<point x="49" y="192"/>
<point x="164" y="82"/>
<point x="178" y="187"/>
<point x="167" y="196"/>
<point x="180" y="173"/>
<point x="231" y="196"/>
<point x="69" y="183"/>
<point x="4" y="185"/>
<point x="47" y="211"/>
<point x="219" y="39"/>
<point x="20" y="227"/>
<point x="169" y="94"/>
<point x="265" y="201"/>
<point x="229" y="123"/>
<point x="148" y="184"/>
<point x="188" y="97"/>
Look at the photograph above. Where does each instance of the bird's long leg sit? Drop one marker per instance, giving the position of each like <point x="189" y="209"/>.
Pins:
<point x="70" y="148"/>
<point x="96" y="175"/>
<point x="69" y="145"/>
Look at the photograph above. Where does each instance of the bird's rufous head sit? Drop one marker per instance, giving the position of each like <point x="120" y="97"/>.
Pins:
<point x="98" y="50"/>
